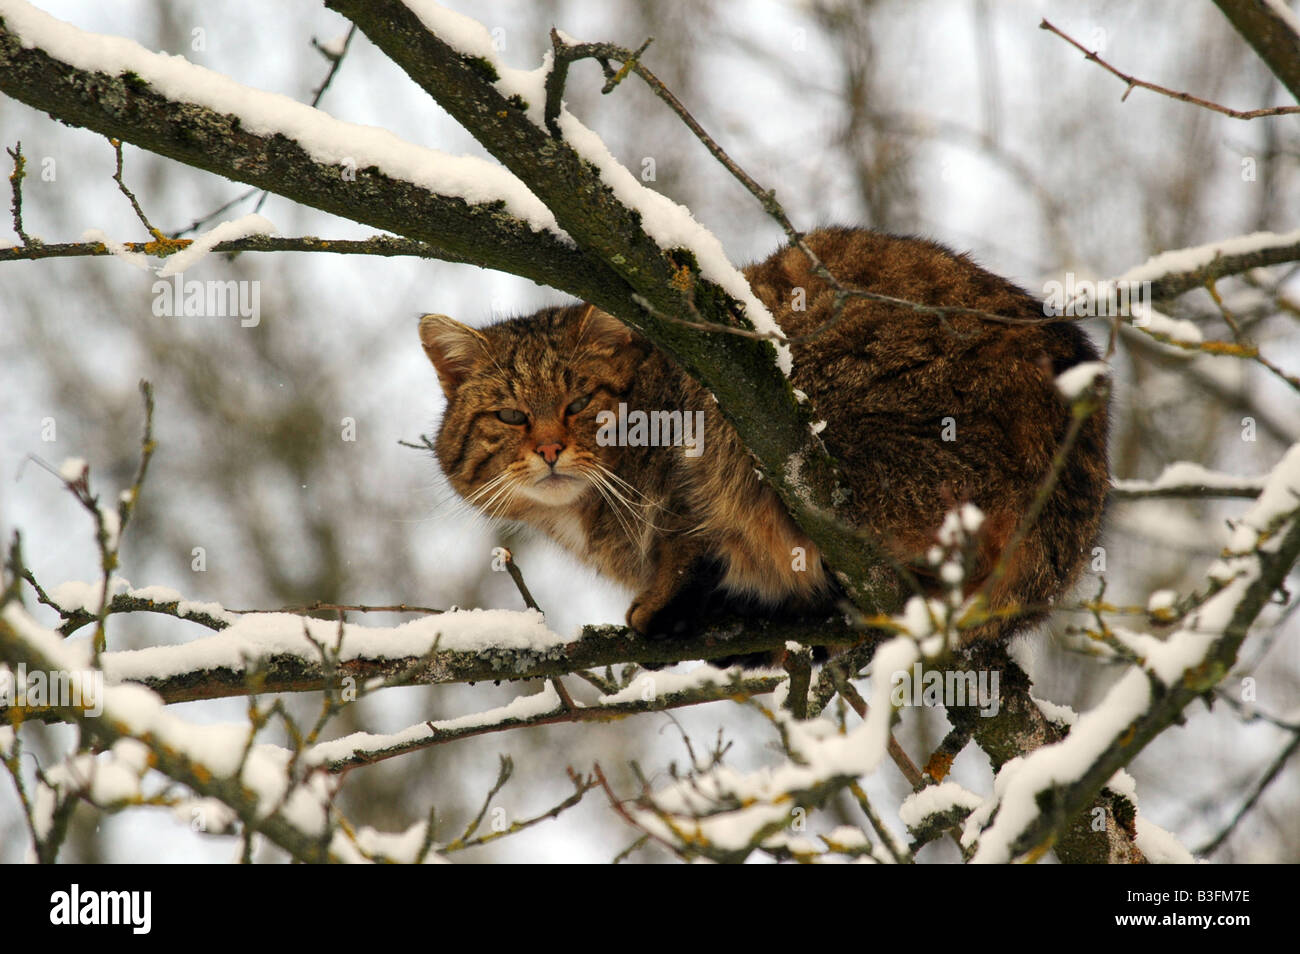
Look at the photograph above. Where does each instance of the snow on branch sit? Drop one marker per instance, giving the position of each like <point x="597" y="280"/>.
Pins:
<point x="669" y="224"/>
<point x="285" y="652"/>
<point x="718" y="813"/>
<point x="326" y="140"/>
<point x="1174" y="272"/>
<point x="474" y="209"/>
<point x="285" y="795"/>
<point x="1033" y="793"/>
<point x="212" y="760"/>
<point x="647" y="692"/>
<point x="1186" y="479"/>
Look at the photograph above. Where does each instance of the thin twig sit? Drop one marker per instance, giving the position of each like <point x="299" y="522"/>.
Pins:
<point x="1133" y="81"/>
<point x="380" y="245"/>
<point x="344" y="607"/>
<point x="896" y="751"/>
<point x="900" y="855"/>
<point x="335" y="59"/>
<point x="581" y="788"/>
<point x="1253" y="351"/>
<point x="1213" y="844"/>
<point x="108" y="539"/>
<point x="135" y="204"/>
<point x="504" y="772"/>
<point x="513" y="569"/>
<point x="16" y="189"/>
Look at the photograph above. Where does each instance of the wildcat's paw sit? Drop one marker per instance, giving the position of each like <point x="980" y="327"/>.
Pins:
<point x="657" y="620"/>
<point x="673" y="605"/>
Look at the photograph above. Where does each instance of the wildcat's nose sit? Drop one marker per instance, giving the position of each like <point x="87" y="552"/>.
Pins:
<point x="550" y="452"/>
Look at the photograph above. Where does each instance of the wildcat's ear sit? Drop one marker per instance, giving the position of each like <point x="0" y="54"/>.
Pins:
<point x="451" y="347"/>
<point x="601" y="330"/>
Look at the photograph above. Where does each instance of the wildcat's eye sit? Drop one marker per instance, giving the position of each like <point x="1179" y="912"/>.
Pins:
<point x="576" y="406"/>
<point x="513" y="416"/>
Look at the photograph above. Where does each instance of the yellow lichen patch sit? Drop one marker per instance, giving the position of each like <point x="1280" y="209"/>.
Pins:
<point x="939" y="766"/>
<point x="881" y="621"/>
<point x="622" y="73"/>
<point x="682" y="279"/>
<point x="1229" y="347"/>
<point x="163" y="246"/>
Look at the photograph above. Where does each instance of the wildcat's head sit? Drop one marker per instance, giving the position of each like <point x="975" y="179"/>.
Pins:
<point x="522" y="398"/>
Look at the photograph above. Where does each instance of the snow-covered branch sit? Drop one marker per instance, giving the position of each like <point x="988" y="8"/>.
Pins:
<point x="1185" y="479"/>
<point x="475" y="210"/>
<point x="1037" y="794"/>
<point x="212" y="761"/>
<point x="648" y="692"/>
<point x="637" y="255"/>
<point x="281" y="652"/>
<point x="1174" y="272"/>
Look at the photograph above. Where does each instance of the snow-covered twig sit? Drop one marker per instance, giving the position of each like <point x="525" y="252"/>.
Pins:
<point x="1184" y="479"/>
<point x="660" y="693"/>
<point x="202" y="757"/>
<point x="380" y="245"/>
<point x="1036" y="795"/>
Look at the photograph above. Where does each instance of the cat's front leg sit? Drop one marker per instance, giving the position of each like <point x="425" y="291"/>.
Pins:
<point x="681" y="590"/>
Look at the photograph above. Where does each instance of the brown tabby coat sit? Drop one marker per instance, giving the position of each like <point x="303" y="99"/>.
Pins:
<point x="690" y="533"/>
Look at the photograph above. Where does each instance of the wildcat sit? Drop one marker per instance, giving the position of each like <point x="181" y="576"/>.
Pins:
<point x="922" y="413"/>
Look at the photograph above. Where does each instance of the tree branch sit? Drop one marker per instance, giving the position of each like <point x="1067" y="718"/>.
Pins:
<point x="1133" y="82"/>
<point x="1156" y="697"/>
<point x="1272" y="37"/>
<point x="191" y="676"/>
<point x="281" y="826"/>
<point x="366" y="749"/>
<point x="128" y="108"/>
<point x="384" y="246"/>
